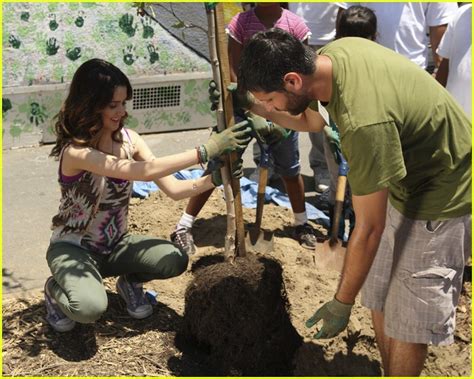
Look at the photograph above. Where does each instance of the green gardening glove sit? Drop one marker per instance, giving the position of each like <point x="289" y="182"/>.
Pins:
<point x="236" y="137"/>
<point x="266" y="131"/>
<point x="334" y="142"/>
<point x="237" y="171"/>
<point x="240" y="100"/>
<point x="335" y="316"/>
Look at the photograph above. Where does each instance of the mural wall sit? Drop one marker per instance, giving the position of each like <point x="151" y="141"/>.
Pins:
<point x="44" y="44"/>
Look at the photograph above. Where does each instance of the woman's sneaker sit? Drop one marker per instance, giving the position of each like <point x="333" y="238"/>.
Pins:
<point x="138" y="305"/>
<point x="54" y="315"/>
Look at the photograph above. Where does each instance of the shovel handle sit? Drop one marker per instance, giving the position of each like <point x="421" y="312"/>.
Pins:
<point x="338" y="206"/>
<point x="262" y="183"/>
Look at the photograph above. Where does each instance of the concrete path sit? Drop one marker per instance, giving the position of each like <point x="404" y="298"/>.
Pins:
<point x="31" y="198"/>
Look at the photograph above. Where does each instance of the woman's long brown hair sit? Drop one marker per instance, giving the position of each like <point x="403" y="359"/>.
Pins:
<point x="92" y="88"/>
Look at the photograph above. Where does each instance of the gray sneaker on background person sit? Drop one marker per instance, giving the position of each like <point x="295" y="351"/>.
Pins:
<point x="183" y="238"/>
<point x="306" y="236"/>
<point x="138" y="305"/>
<point x="54" y="315"/>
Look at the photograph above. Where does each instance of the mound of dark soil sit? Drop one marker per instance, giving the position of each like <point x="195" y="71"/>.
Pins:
<point x="238" y="312"/>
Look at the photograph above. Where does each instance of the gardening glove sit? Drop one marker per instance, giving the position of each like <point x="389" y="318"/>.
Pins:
<point x="335" y="316"/>
<point x="237" y="137"/>
<point x="334" y="142"/>
<point x="237" y="171"/>
<point x="266" y="131"/>
<point x="240" y="100"/>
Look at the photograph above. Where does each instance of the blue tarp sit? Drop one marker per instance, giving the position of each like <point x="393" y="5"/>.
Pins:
<point x="248" y="190"/>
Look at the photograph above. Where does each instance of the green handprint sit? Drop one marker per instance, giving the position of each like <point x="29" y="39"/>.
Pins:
<point x="126" y="24"/>
<point x="6" y="106"/>
<point x="148" y="31"/>
<point x="14" y="41"/>
<point x="25" y="16"/>
<point x="79" y="21"/>
<point x="51" y="46"/>
<point x="37" y="114"/>
<point x="53" y="25"/>
<point x="154" y="56"/>
<point x="73" y="53"/>
<point x="128" y="55"/>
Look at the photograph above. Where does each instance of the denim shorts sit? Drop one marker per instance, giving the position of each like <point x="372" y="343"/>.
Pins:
<point x="284" y="156"/>
<point x="416" y="277"/>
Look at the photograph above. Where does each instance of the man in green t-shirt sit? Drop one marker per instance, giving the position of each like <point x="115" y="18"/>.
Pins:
<point x="408" y="145"/>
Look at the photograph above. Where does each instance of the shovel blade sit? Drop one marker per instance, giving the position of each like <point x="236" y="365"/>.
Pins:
<point x="330" y="255"/>
<point x="259" y="241"/>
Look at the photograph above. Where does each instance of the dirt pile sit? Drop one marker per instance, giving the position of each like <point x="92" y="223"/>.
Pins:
<point x="238" y="312"/>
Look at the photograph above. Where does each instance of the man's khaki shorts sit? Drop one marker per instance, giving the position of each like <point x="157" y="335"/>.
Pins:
<point x="416" y="277"/>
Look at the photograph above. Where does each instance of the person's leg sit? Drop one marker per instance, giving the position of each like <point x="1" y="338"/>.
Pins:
<point x="144" y="258"/>
<point x="77" y="287"/>
<point x="294" y="186"/>
<point x="420" y="307"/>
<point x="317" y="162"/>
<point x="383" y="342"/>
<point x="333" y="169"/>
<point x="138" y="259"/>
<point x="287" y="163"/>
<point x="182" y="235"/>
<point x="375" y="288"/>
<point x="406" y="359"/>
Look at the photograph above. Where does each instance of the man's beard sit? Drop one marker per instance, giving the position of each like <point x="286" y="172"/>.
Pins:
<point x="296" y="104"/>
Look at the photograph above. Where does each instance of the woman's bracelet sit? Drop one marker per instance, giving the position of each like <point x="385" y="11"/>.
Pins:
<point x="202" y="154"/>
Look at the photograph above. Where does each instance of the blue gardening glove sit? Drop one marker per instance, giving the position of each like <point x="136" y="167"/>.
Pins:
<point x="266" y="132"/>
<point x="334" y="142"/>
<point x="237" y="137"/>
<point x="215" y="168"/>
<point x="335" y="316"/>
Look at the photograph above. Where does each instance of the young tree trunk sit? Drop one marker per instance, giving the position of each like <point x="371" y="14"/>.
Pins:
<point x="235" y="236"/>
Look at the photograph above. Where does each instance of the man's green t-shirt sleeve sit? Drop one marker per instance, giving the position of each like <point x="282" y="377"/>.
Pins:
<point x="375" y="157"/>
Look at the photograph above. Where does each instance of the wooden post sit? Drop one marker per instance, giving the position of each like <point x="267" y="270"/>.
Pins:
<point x="230" y="237"/>
<point x="224" y="67"/>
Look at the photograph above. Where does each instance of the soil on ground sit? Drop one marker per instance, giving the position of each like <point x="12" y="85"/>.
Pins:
<point x="118" y="345"/>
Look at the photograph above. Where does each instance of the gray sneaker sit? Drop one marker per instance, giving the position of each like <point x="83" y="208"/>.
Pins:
<point x="184" y="239"/>
<point x="54" y="315"/>
<point x="138" y="305"/>
<point x="304" y="234"/>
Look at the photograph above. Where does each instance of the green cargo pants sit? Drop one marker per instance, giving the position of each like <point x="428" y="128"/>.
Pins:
<point x="78" y="273"/>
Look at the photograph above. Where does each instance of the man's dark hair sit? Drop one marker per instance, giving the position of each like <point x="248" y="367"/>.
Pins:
<point x="357" y="21"/>
<point x="268" y="56"/>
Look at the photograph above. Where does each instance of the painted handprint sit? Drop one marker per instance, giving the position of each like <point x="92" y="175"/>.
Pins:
<point x="126" y="24"/>
<point x="37" y="114"/>
<point x="53" y="25"/>
<point x="14" y="41"/>
<point x="51" y="46"/>
<point x="154" y="56"/>
<point x="6" y="105"/>
<point x="128" y="55"/>
<point x="148" y="31"/>
<point x="73" y="53"/>
<point x="79" y="20"/>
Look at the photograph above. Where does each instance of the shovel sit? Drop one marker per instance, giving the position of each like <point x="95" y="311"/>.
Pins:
<point x="330" y="254"/>
<point x="258" y="240"/>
